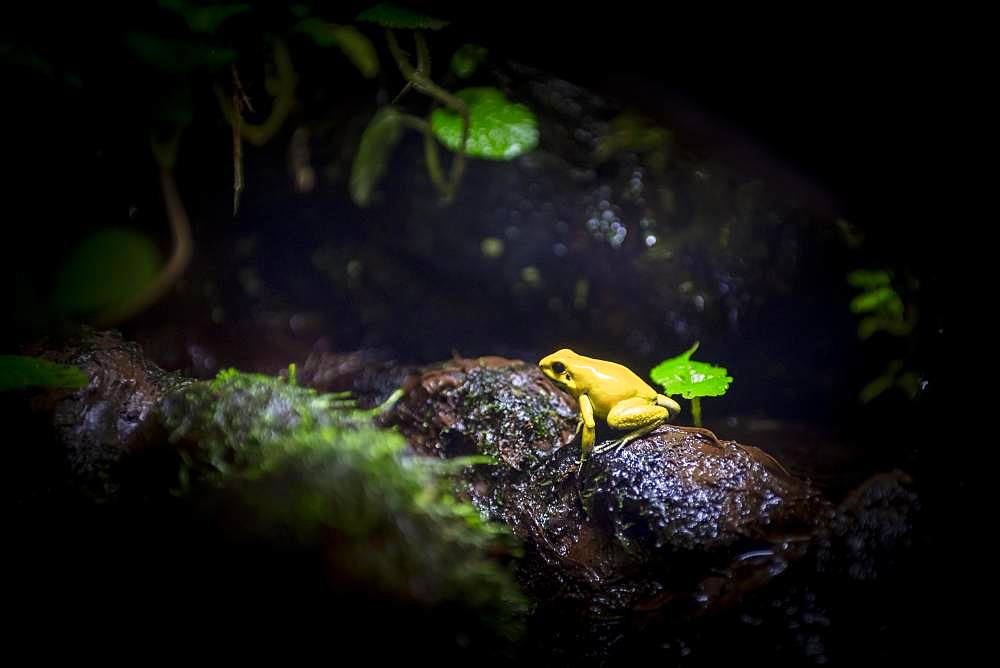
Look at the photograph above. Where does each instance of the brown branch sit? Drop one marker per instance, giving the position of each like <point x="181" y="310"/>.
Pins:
<point x="419" y="78"/>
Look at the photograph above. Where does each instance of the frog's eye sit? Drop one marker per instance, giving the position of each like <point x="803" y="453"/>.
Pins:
<point x="559" y="368"/>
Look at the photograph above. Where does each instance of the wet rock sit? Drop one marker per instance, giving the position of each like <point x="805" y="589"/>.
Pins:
<point x="658" y="513"/>
<point x="104" y="424"/>
<point x="489" y="406"/>
<point x="670" y="547"/>
<point x="673" y="494"/>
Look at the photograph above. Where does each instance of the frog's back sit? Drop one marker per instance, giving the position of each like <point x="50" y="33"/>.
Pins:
<point x="609" y="382"/>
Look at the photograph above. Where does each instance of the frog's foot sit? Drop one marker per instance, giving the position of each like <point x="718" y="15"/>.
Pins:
<point x="609" y="445"/>
<point x="618" y="444"/>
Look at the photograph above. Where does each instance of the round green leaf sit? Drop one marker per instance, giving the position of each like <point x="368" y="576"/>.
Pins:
<point x="467" y="58"/>
<point x="498" y="129"/>
<point x="388" y="15"/>
<point x="680" y="375"/>
<point x="18" y="372"/>
<point x="374" y="151"/>
<point x="110" y="267"/>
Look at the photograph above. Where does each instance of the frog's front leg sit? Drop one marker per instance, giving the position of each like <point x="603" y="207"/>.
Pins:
<point x="587" y="421"/>
<point x="640" y="415"/>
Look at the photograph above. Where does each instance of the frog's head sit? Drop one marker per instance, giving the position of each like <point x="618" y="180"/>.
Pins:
<point x="557" y="367"/>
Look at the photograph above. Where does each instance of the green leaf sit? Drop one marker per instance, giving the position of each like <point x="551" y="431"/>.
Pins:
<point x="863" y="278"/>
<point x="680" y="375"/>
<point x="498" y="129"/>
<point x="875" y="389"/>
<point x="110" y="267"/>
<point x="374" y="151"/>
<point x="175" y="56"/>
<point x="355" y="45"/>
<point x="18" y="372"/>
<point x="389" y="15"/>
<point x="467" y="58"/>
<point x="203" y="19"/>
<point x="882" y="384"/>
<point x="882" y="299"/>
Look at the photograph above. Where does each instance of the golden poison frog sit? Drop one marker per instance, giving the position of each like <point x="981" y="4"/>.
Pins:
<point x="613" y="393"/>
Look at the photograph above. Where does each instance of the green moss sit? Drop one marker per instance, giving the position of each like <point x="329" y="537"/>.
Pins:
<point x="314" y="467"/>
<point x="18" y="372"/>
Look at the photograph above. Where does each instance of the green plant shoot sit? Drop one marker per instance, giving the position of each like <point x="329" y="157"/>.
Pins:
<point x="692" y="380"/>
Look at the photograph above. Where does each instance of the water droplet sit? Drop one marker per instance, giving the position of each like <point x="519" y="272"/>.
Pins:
<point x="531" y="275"/>
<point x="491" y="247"/>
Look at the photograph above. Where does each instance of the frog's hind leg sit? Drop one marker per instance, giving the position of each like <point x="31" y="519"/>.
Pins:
<point x="637" y="414"/>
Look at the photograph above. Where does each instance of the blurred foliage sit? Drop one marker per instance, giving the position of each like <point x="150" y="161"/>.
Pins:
<point x="389" y="15"/>
<point x="107" y="269"/>
<point x="358" y="48"/>
<point x="154" y="65"/>
<point x="374" y="152"/>
<point x="315" y="467"/>
<point x="466" y="59"/>
<point x="205" y="19"/>
<point x="881" y="303"/>
<point x="498" y="129"/>
<point x="630" y="132"/>
<point x="18" y="372"/>
<point x="895" y="376"/>
<point x="884" y="310"/>
<point x="176" y="56"/>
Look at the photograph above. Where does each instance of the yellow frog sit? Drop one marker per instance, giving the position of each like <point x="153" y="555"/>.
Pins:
<point x="613" y="393"/>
